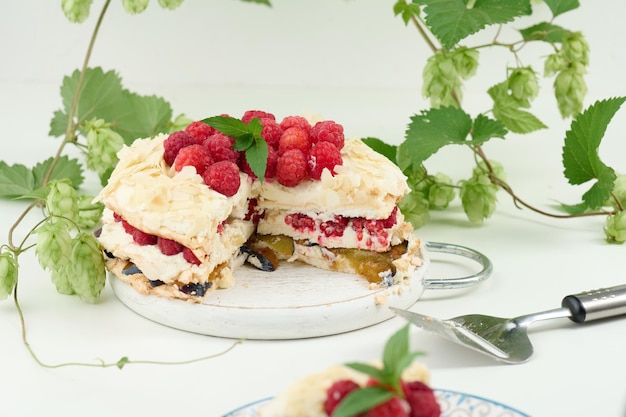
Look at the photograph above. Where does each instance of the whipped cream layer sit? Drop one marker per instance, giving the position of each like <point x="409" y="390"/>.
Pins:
<point x="156" y="199"/>
<point x="367" y="185"/>
<point x="306" y="396"/>
<point x="170" y="269"/>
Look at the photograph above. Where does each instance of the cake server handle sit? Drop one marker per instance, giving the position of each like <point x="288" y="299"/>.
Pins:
<point x="460" y="282"/>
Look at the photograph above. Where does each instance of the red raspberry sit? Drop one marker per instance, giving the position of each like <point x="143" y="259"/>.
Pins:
<point x="174" y="143"/>
<point x="270" y="168"/>
<point x="334" y="227"/>
<point x="117" y="217"/>
<point x="143" y="238"/>
<point x="190" y="256"/>
<point x="323" y="155"/>
<point x="259" y="114"/>
<point x="128" y="228"/>
<point x="391" y="220"/>
<point x="421" y="399"/>
<point x="291" y="168"/>
<point x="395" y="407"/>
<point x="199" y="131"/>
<point x="223" y="177"/>
<point x="300" y="222"/>
<point x="271" y="132"/>
<point x="168" y="246"/>
<point x="337" y="392"/>
<point x="220" y="147"/>
<point x="328" y="131"/>
<point x="294" y="138"/>
<point x="194" y="155"/>
<point x="295" y="121"/>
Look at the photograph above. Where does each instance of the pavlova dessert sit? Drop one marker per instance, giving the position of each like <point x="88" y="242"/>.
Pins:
<point x="185" y="210"/>
<point x="398" y="386"/>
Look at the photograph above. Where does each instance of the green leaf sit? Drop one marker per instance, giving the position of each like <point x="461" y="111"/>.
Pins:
<point x="406" y="10"/>
<point x="430" y="131"/>
<point x="367" y="369"/>
<point x="228" y="126"/>
<point x="506" y="109"/>
<point x="15" y="180"/>
<point x="65" y="168"/>
<point x="256" y="156"/>
<point x="396" y="348"/>
<point x="385" y="149"/>
<point x="561" y="6"/>
<point x="485" y="128"/>
<point x="360" y="400"/>
<point x="103" y="96"/>
<point x="544" y="31"/>
<point x="452" y="20"/>
<point x="581" y="160"/>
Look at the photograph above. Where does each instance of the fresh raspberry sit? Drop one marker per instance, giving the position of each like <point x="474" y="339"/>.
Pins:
<point x="323" y="155"/>
<point x="395" y="407"/>
<point x="391" y="220"/>
<point x="174" y="143"/>
<point x="291" y="168"/>
<point x="271" y="132"/>
<point x="270" y="168"/>
<point x="223" y="177"/>
<point x="190" y="256"/>
<point x="128" y="228"/>
<point x="143" y="238"/>
<point x="194" y="155"/>
<point x="337" y="392"/>
<point x="117" y="217"/>
<point x="421" y="399"/>
<point x="168" y="246"/>
<point x="300" y="222"/>
<point x="220" y="147"/>
<point x="334" y="227"/>
<point x="258" y="114"/>
<point x="199" y="131"/>
<point x="328" y="131"/>
<point x="294" y="138"/>
<point x="295" y="121"/>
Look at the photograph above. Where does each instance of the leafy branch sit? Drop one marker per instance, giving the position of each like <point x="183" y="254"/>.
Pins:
<point x="449" y="22"/>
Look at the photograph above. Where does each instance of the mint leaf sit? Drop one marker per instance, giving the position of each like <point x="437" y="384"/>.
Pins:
<point x="385" y="149"/>
<point x="228" y="126"/>
<point x="367" y="369"/>
<point x="65" y="168"/>
<point x="580" y="151"/>
<point x="452" y="20"/>
<point x="430" y="131"/>
<point x="360" y="400"/>
<point x="545" y="31"/>
<point x="103" y="96"/>
<point x="15" y="180"/>
<point x="561" y="6"/>
<point x="395" y="349"/>
<point x="256" y="156"/>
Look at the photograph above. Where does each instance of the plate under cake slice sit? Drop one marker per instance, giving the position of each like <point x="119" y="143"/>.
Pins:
<point x="184" y="210"/>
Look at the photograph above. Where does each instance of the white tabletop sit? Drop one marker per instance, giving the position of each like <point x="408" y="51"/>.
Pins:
<point x="196" y="64"/>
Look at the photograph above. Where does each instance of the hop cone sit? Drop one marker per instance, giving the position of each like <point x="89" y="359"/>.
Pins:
<point x="54" y="244"/>
<point x="441" y="192"/>
<point x="523" y="84"/>
<point x="76" y="11"/>
<point x="86" y="271"/>
<point x="414" y="207"/>
<point x="8" y="274"/>
<point x="615" y="228"/>
<point x="619" y="191"/>
<point x="135" y="6"/>
<point x="62" y="200"/>
<point x="103" y="144"/>
<point x="89" y="213"/>
<point x="478" y="197"/>
<point x="170" y="4"/>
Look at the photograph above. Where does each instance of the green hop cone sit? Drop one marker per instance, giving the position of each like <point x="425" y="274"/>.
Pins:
<point x="570" y="90"/>
<point x="554" y="64"/>
<point x="523" y="84"/>
<point x="575" y="48"/>
<point x="170" y="4"/>
<point x="615" y="228"/>
<point x="618" y="192"/>
<point x="76" y="11"/>
<point x="54" y="244"/>
<point x="135" y="6"/>
<point x="86" y="271"/>
<point x="414" y="207"/>
<point x="103" y="144"/>
<point x="62" y="200"/>
<point x="89" y="213"/>
<point x="465" y="61"/>
<point x="8" y="274"/>
<point x="441" y="192"/>
<point x="480" y="171"/>
<point x="478" y="197"/>
<point x="60" y="277"/>
<point x="441" y="80"/>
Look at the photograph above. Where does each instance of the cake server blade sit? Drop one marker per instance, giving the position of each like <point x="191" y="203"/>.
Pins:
<point x="506" y="339"/>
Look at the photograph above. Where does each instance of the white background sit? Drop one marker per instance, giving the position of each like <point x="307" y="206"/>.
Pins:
<point x="354" y="62"/>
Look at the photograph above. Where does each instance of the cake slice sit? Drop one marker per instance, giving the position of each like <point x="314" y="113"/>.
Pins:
<point x="183" y="211"/>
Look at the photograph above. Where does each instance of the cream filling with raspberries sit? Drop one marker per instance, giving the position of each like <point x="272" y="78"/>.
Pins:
<point x="306" y="396"/>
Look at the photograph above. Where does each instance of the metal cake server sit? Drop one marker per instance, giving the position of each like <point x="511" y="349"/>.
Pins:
<point x="506" y="339"/>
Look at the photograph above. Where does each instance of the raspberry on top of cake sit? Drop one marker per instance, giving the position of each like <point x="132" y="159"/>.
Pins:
<point x="184" y="210"/>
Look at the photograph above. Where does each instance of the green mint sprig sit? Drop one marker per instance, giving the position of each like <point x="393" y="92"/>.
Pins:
<point x="396" y="358"/>
<point x="247" y="138"/>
